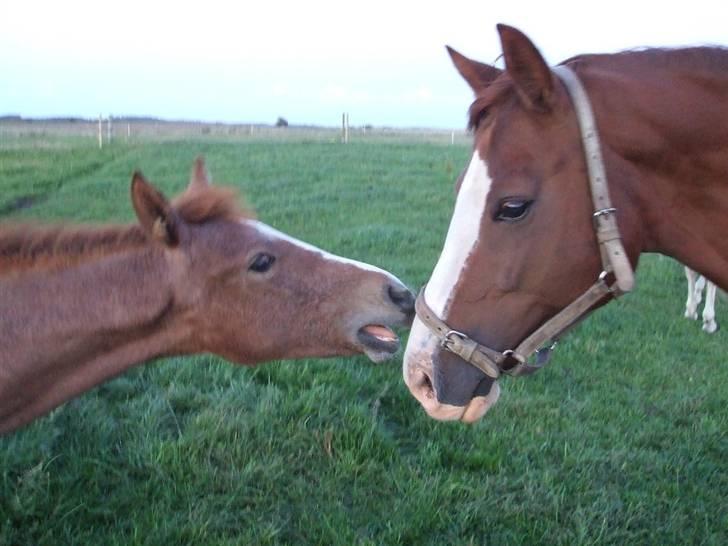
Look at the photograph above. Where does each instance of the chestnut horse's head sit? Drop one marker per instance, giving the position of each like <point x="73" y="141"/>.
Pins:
<point x="521" y="245"/>
<point x="250" y="293"/>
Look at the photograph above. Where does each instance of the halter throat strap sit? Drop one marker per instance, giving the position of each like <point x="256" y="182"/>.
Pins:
<point x="617" y="276"/>
<point x="614" y="258"/>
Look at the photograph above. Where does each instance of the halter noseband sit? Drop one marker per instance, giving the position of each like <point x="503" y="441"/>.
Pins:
<point x="615" y="265"/>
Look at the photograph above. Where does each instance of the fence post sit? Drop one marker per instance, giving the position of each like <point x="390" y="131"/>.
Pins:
<point x="345" y="127"/>
<point x="108" y="130"/>
<point x="101" y="134"/>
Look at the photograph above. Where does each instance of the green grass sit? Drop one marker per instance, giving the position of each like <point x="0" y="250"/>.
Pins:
<point x="622" y="440"/>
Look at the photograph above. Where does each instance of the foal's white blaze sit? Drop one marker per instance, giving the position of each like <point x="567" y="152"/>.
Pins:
<point x="374" y="313"/>
<point x="273" y="233"/>
<point x="461" y="241"/>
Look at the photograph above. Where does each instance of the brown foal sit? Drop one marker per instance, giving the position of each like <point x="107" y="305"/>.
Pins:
<point x="80" y="305"/>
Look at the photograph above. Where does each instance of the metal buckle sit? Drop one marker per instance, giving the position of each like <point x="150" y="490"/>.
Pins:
<point x="447" y="338"/>
<point x="604" y="212"/>
<point x="599" y="213"/>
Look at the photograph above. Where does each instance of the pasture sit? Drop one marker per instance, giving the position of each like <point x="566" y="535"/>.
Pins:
<point x="623" y="439"/>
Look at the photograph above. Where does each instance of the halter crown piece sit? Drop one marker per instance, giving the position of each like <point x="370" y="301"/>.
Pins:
<point x="615" y="263"/>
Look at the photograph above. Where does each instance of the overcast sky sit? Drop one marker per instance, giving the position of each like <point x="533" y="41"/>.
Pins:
<point x="384" y="62"/>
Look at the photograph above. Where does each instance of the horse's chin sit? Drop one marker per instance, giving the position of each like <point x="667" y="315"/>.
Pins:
<point x="378" y="342"/>
<point x="480" y="405"/>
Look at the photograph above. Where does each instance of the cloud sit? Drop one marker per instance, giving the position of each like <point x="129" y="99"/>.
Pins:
<point x="422" y="94"/>
<point x="279" y="90"/>
<point x="335" y="93"/>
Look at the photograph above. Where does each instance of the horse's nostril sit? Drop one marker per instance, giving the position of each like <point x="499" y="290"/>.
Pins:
<point x="402" y="298"/>
<point x="426" y="389"/>
<point x="428" y="383"/>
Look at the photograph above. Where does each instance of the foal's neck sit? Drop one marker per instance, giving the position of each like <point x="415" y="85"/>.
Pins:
<point x="69" y="322"/>
<point x="25" y="248"/>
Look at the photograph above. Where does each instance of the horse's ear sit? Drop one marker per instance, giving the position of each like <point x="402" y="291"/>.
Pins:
<point x="154" y="211"/>
<point x="199" y="177"/>
<point x="528" y="69"/>
<point x="478" y="75"/>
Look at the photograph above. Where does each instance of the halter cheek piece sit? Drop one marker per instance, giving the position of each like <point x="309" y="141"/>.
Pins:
<point x="615" y="279"/>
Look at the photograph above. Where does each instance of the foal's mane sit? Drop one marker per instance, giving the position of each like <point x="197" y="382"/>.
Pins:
<point x="692" y="58"/>
<point x="24" y="246"/>
<point x="203" y="204"/>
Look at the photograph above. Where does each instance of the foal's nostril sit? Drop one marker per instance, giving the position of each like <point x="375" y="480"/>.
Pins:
<point x="402" y="298"/>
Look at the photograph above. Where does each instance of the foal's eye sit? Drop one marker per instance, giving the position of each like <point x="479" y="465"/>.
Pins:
<point x="511" y="210"/>
<point x="261" y="263"/>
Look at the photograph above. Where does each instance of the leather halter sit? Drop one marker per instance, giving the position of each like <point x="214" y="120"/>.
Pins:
<point x="616" y="278"/>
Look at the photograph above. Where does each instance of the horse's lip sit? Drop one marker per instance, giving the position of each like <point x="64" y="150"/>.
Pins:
<point x="378" y="347"/>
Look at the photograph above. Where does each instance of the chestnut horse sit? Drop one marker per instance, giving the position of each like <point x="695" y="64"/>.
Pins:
<point x="527" y="240"/>
<point x="79" y="306"/>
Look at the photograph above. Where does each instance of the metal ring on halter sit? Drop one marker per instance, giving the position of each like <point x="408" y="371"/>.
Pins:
<point x="513" y="354"/>
<point x="602" y="278"/>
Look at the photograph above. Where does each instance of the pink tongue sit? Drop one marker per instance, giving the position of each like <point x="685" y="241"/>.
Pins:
<point x="381" y="332"/>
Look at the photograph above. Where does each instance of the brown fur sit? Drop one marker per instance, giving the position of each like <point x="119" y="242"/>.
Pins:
<point x="80" y="305"/>
<point x="26" y="246"/>
<point x="660" y="117"/>
<point x="211" y="203"/>
<point x="491" y="96"/>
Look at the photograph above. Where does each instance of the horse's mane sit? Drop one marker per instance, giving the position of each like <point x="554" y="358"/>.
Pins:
<point x="692" y="58"/>
<point x="492" y="94"/>
<point x="28" y="245"/>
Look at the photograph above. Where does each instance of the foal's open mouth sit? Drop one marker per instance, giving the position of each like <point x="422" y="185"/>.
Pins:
<point x="378" y="342"/>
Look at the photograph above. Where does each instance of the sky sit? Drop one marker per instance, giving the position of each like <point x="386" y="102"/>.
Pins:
<point x="383" y="62"/>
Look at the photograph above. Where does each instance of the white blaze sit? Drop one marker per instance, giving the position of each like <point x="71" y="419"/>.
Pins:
<point x="462" y="236"/>
<point x="461" y="241"/>
<point x="272" y="233"/>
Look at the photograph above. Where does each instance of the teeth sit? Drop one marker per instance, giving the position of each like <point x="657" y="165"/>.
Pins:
<point x="380" y="332"/>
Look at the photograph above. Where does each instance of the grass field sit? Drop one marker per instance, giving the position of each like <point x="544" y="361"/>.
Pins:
<point x="623" y="440"/>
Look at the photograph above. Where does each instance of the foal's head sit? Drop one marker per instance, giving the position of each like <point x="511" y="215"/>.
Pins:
<point x="250" y="293"/>
<point x="520" y="246"/>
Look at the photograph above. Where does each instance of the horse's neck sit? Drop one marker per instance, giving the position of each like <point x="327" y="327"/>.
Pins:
<point x="66" y="330"/>
<point x="675" y="150"/>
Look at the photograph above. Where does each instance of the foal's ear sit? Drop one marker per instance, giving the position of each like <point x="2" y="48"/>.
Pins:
<point x="528" y="69"/>
<point x="478" y="75"/>
<point x="199" y="177"/>
<point x="154" y="211"/>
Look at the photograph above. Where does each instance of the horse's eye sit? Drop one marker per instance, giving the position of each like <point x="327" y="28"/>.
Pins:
<point x="261" y="263"/>
<point x="511" y="210"/>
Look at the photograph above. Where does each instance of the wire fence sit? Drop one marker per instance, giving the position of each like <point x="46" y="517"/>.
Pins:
<point x="118" y="131"/>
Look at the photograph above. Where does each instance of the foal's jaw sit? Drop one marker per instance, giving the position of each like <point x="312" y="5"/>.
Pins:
<point x="377" y="342"/>
<point x="371" y="332"/>
<point x="376" y="301"/>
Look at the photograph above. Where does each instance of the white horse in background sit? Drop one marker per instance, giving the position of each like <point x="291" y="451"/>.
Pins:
<point x="696" y="284"/>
